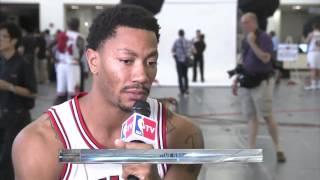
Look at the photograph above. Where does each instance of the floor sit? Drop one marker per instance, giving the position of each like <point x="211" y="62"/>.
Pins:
<point x="217" y="112"/>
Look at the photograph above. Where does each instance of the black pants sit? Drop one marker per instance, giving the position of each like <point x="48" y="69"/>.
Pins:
<point x="182" y="70"/>
<point x="7" y="134"/>
<point x="198" y="60"/>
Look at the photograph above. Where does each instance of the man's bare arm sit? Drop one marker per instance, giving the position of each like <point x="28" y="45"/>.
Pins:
<point x="182" y="134"/>
<point x="35" y="152"/>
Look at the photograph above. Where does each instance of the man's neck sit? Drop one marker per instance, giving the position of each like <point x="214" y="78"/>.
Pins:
<point x="104" y="121"/>
<point x="7" y="54"/>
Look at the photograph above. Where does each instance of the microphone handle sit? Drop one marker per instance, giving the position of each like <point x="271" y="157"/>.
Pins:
<point x="132" y="177"/>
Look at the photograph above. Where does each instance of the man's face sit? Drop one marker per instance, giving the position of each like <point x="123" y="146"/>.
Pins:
<point x="248" y="24"/>
<point x="5" y="40"/>
<point x="126" y="66"/>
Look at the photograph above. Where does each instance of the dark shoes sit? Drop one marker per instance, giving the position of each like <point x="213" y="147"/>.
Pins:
<point x="281" y="157"/>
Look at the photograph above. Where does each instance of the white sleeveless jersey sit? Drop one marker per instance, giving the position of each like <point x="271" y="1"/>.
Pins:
<point x="73" y="132"/>
<point x="314" y="45"/>
<point x="71" y="44"/>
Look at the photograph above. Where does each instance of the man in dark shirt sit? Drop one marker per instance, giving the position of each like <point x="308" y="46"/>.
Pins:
<point x="199" y="47"/>
<point x="17" y="92"/>
<point x="257" y="100"/>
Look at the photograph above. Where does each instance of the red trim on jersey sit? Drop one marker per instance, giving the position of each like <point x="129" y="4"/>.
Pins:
<point x="66" y="141"/>
<point x="159" y="141"/>
<point x="77" y="124"/>
<point x="164" y="132"/>
<point x="56" y="128"/>
<point x="84" y="125"/>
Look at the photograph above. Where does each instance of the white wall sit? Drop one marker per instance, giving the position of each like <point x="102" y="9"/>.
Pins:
<point x="217" y="20"/>
<point x="285" y="2"/>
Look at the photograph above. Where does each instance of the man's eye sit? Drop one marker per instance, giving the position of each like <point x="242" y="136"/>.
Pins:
<point x="152" y="63"/>
<point x="126" y="61"/>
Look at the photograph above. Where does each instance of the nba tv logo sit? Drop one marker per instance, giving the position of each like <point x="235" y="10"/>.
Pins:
<point x="145" y="127"/>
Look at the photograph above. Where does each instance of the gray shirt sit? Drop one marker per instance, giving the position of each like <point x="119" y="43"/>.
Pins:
<point x="182" y="48"/>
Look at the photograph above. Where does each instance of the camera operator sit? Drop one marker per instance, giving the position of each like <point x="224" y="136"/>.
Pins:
<point x="256" y="81"/>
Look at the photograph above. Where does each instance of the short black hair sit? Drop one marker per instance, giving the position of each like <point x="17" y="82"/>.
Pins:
<point x="181" y="32"/>
<point x="73" y="24"/>
<point x="14" y="31"/>
<point x="105" y="24"/>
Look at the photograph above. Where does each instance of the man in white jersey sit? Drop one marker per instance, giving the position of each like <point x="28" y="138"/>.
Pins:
<point x="69" y="49"/>
<point x="313" y="56"/>
<point x="122" y="55"/>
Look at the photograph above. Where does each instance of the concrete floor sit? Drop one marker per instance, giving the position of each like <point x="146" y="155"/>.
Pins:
<point x="217" y="112"/>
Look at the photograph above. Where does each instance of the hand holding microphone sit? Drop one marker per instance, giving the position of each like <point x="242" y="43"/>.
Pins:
<point x="139" y="132"/>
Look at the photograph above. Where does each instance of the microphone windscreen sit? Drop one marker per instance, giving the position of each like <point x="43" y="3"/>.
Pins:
<point x="141" y="107"/>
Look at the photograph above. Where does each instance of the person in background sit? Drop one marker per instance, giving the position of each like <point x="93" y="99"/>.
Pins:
<point x="257" y="66"/>
<point x="180" y="50"/>
<point x="313" y="56"/>
<point x="68" y="54"/>
<point x="18" y="87"/>
<point x="198" y="49"/>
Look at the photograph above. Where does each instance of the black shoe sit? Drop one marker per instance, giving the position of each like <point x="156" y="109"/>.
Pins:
<point x="186" y="92"/>
<point x="281" y="157"/>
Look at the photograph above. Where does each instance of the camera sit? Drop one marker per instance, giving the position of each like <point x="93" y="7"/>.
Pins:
<point x="237" y="70"/>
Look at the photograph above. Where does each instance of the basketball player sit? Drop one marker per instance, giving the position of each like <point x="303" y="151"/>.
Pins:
<point x="69" y="47"/>
<point x="122" y="56"/>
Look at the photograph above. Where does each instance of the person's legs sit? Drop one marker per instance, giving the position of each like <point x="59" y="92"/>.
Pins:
<point x="312" y="62"/>
<point x="43" y="71"/>
<point x="179" y="72"/>
<point x="249" y="113"/>
<point x="201" y="68"/>
<point x="318" y="77"/>
<point x="253" y="125"/>
<point x="62" y="72"/>
<point x="263" y="101"/>
<point x="185" y="78"/>
<point x="195" y="65"/>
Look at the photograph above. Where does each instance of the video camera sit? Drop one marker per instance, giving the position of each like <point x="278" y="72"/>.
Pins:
<point x="237" y="70"/>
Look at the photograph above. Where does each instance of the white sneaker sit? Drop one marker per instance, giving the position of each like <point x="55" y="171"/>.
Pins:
<point x="310" y="88"/>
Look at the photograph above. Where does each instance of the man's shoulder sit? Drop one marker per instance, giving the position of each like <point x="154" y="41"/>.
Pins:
<point x="182" y="132"/>
<point x="34" y="146"/>
<point x="39" y="131"/>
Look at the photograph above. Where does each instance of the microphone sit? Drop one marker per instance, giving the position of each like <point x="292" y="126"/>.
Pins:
<point x="139" y="127"/>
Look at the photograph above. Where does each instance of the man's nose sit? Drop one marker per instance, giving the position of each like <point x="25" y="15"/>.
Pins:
<point x="140" y="73"/>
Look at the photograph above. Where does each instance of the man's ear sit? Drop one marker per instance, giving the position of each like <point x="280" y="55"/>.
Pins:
<point x="93" y="60"/>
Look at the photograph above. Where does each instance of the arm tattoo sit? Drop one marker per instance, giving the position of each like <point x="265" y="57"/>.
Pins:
<point x="53" y="129"/>
<point x="195" y="140"/>
<point x="170" y="126"/>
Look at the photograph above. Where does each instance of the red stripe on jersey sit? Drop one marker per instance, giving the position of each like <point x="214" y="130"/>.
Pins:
<point x="84" y="126"/>
<point x="164" y="132"/>
<point x="75" y="120"/>
<point x="64" y="172"/>
<point x="56" y="128"/>
<point x="160" y="145"/>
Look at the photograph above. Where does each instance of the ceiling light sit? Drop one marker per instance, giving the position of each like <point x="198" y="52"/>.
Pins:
<point x="296" y="7"/>
<point x="86" y="24"/>
<point x="74" y="7"/>
<point x="99" y="7"/>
